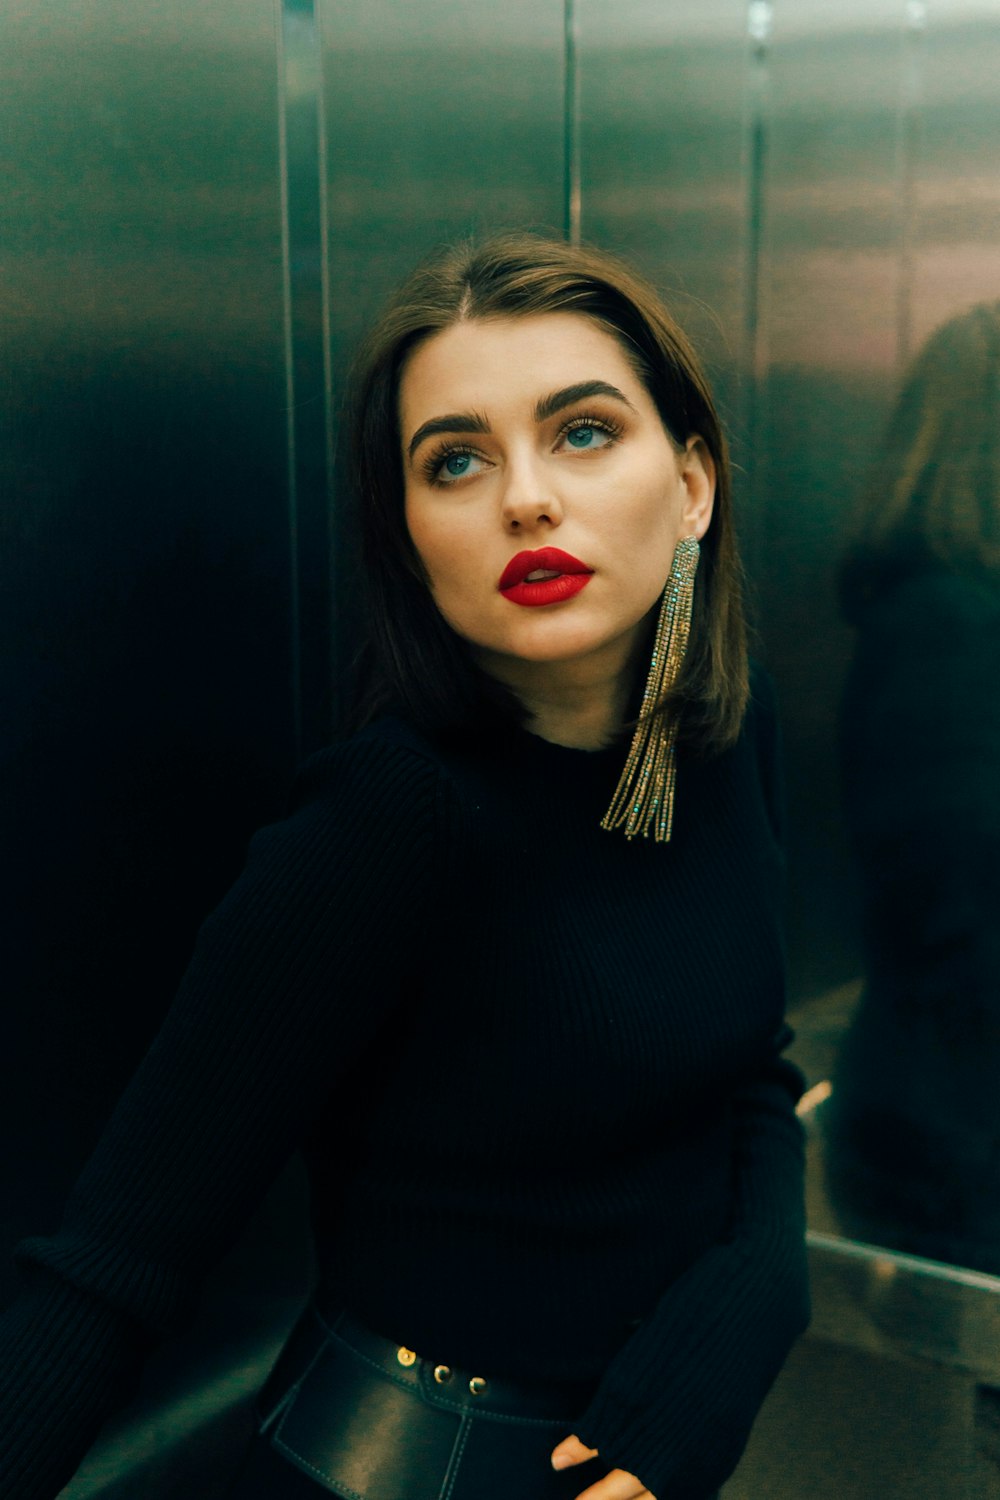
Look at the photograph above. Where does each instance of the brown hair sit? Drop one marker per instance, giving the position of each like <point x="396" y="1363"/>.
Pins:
<point x="933" y="499"/>
<point x="417" y="662"/>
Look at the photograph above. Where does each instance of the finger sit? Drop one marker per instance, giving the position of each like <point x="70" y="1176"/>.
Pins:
<point x="571" y="1451"/>
<point x="618" y="1485"/>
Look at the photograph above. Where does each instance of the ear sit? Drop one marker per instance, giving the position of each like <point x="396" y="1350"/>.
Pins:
<point x="697" y="470"/>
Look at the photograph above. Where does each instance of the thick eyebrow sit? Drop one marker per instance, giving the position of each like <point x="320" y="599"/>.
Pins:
<point x="549" y="405"/>
<point x="468" y="421"/>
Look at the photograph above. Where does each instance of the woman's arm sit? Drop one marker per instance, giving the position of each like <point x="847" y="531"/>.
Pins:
<point x="291" y="979"/>
<point x="677" y="1403"/>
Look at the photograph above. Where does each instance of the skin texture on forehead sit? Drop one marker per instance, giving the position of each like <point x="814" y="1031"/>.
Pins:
<point x="538" y="329"/>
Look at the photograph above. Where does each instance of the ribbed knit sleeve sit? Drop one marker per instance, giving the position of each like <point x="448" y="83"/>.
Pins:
<point x="291" y="978"/>
<point x="676" y="1405"/>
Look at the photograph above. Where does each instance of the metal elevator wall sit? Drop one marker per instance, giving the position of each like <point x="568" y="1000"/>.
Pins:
<point x="202" y="207"/>
<point x="146" y="584"/>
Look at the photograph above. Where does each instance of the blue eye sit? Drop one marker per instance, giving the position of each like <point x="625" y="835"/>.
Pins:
<point x="587" y="437"/>
<point x="454" y="465"/>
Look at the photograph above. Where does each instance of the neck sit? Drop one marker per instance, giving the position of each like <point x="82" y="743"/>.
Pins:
<point x="579" y="705"/>
<point x="584" y="724"/>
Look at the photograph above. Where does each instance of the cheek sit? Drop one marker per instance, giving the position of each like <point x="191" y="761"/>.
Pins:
<point x="445" y="539"/>
<point x="440" y="552"/>
<point x="653" y="517"/>
<point x="425" y="536"/>
<point x="412" y="517"/>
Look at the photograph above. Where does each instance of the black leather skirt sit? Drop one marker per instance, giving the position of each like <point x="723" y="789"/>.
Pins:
<point x="347" y="1412"/>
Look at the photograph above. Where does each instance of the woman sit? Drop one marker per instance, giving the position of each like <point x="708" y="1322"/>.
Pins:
<point x="519" y="1002"/>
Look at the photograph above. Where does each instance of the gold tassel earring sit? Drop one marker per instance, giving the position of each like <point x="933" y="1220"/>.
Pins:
<point x="645" y="794"/>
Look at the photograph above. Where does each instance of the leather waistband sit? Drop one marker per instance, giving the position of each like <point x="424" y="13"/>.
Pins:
<point x="447" y="1387"/>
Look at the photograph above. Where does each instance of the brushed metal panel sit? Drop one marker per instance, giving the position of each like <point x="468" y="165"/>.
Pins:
<point x="145" y="575"/>
<point x="441" y="119"/>
<point x="140" y="175"/>
<point x="829" y="307"/>
<point x="145" y="587"/>
<point x="307" y="367"/>
<point x="956" y="187"/>
<point x="662" y="101"/>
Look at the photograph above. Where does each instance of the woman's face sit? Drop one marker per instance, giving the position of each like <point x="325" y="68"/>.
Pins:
<point x="521" y="434"/>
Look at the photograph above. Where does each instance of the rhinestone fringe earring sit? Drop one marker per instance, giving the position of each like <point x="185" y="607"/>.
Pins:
<point x="645" y="794"/>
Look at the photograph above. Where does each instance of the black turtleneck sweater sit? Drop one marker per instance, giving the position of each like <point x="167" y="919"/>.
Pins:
<point x="534" y="1068"/>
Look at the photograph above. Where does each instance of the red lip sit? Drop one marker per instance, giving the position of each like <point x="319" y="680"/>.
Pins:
<point x="548" y="590"/>
<point x="551" y="559"/>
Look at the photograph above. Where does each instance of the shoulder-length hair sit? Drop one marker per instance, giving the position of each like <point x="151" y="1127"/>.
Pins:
<point x="933" y="498"/>
<point x="416" y="662"/>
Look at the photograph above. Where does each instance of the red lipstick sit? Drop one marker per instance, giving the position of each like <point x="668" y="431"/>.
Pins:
<point x="571" y="575"/>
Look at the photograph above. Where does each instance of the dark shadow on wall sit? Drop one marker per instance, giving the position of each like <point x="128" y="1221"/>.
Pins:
<point x="148" y="731"/>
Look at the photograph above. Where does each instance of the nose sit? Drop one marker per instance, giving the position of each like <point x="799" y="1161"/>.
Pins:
<point x="528" y="499"/>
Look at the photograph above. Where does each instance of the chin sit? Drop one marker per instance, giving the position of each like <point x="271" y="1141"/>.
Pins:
<point x="543" y="653"/>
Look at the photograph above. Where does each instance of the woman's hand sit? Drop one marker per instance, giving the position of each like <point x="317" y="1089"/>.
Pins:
<point x="618" y="1485"/>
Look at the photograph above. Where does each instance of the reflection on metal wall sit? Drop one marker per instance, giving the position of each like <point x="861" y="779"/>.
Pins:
<point x="879" y="221"/>
<point x="880" y="233"/>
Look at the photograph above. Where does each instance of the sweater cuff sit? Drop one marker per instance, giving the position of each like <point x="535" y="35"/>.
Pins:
<point x="681" y="1424"/>
<point x="52" y="1409"/>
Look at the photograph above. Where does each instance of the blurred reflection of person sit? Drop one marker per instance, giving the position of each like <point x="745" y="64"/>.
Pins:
<point x="913" y="1145"/>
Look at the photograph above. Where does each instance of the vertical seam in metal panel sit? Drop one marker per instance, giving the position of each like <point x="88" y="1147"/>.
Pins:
<point x="571" y="125"/>
<point x="324" y="266"/>
<point x="295" y="653"/>
<point x="908" y="144"/>
<point x="759" y="24"/>
<point x="332" y="426"/>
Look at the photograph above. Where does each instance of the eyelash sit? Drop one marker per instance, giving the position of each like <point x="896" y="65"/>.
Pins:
<point x="431" y="465"/>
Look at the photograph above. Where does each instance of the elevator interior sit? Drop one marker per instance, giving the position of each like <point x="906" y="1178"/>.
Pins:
<point x="203" y="205"/>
